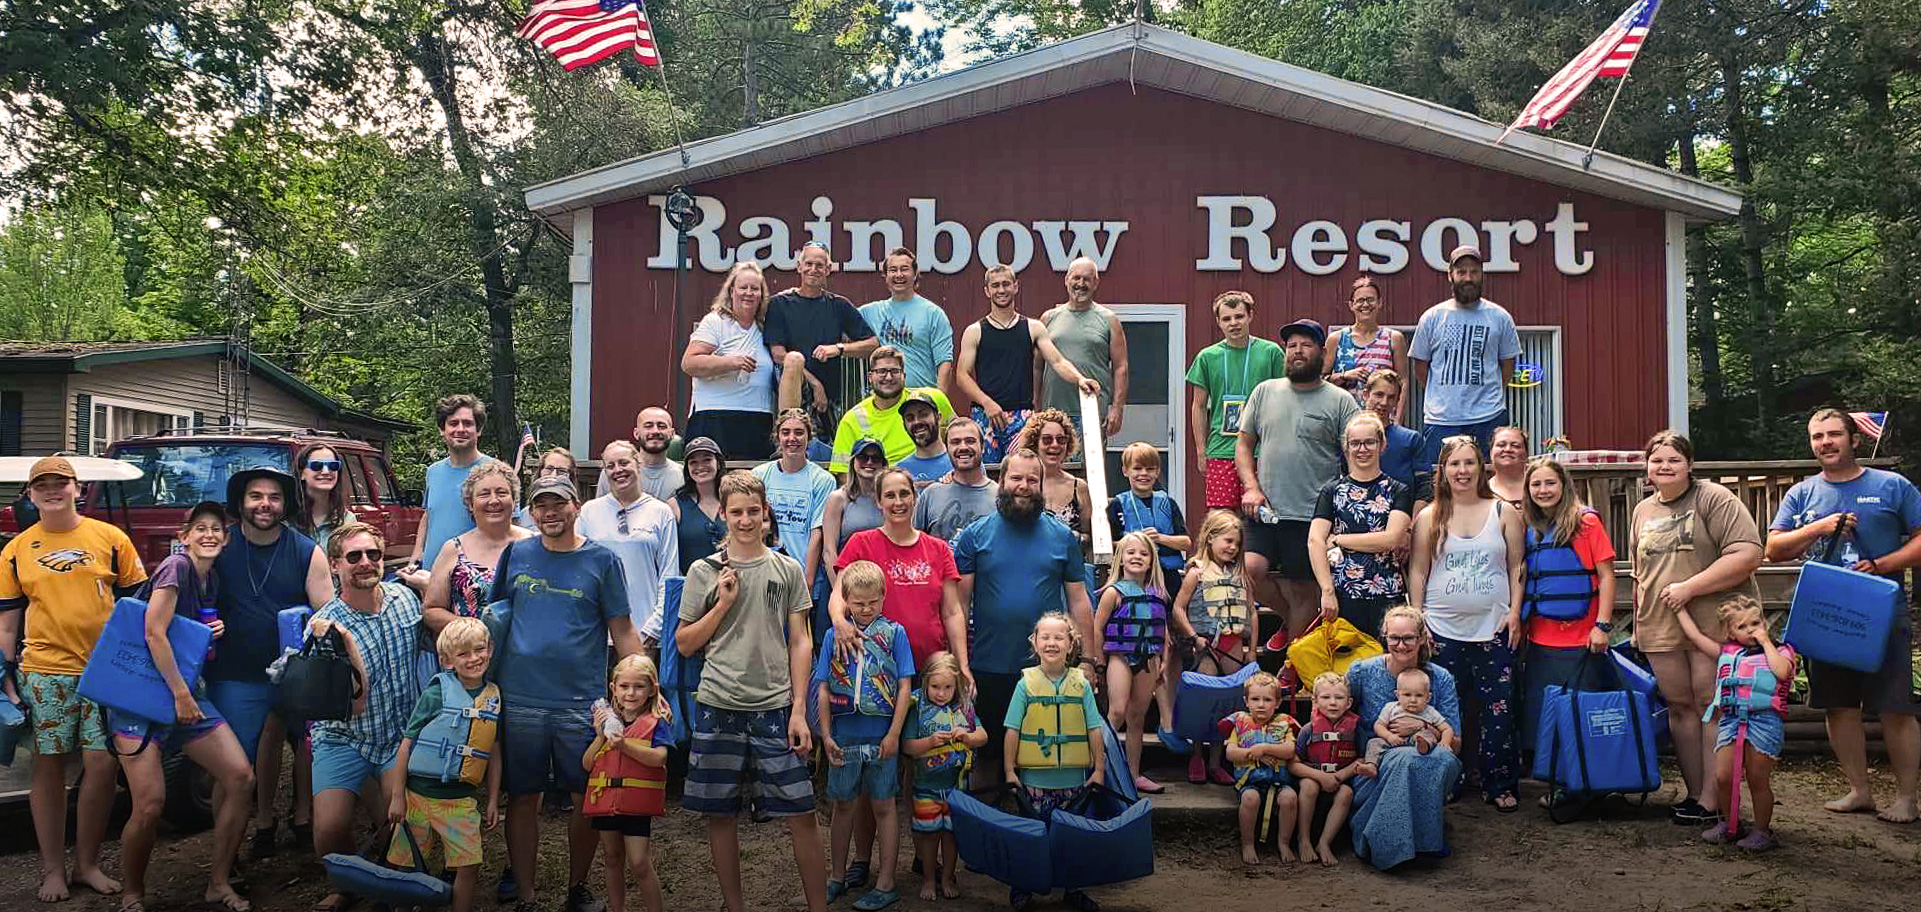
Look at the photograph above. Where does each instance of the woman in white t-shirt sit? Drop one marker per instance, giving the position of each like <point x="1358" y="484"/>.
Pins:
<point x="732" y="369"/>
<point x="1465" y="572"/>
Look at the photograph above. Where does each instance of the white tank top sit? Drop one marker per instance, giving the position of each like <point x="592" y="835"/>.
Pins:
<point x="1467" y="585"/>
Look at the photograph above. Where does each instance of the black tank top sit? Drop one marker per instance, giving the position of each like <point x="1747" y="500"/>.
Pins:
<point x="1004" y="364"/>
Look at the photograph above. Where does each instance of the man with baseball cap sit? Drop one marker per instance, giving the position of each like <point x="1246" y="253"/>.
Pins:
<point x="58" y="581"/>
<point x="1465" y="347"/>
<point x="920" y="414"/>
<point x="555" y="599"/>
<point x="1288" y="449"/>
<point x="879" y="416"/>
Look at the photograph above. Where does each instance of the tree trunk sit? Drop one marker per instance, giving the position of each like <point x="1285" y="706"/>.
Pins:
<point x="1707" y="335"/>
<point x="430" y="54"/>
<point x="1753" y="240"/>
<point x="749" y="90"/>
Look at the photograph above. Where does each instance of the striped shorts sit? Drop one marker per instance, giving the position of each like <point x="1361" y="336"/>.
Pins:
<point x="734" y="747"/>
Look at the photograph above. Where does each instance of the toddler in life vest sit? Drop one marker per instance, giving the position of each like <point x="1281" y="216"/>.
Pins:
<point x="1053" y="748"/>
<point x="627" y="774"/>
<point x="447" y="754"/>
<point x="1751" y="680"/>
<point x="1327" y="757"/>
<point x="1132" y="619"/>
<point x="1214" y="613"/>
<point x="1260" y="744"/>
<point x="942" y="734"/>
<point x="863" y="707"/>
<point x="1412" y="690"/>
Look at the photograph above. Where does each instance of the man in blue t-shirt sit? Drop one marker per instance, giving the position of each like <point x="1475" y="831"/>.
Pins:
<point x="921" y="416"/>
<point x="556" y="600"/>
<point x="1401" y="456"/>
<point x="1868" y="520"/>
<point x="461" y="418"/>
<point x="1016" y="565"/>
<point x="1466" y="347"/>
<point x="913" y="324"/>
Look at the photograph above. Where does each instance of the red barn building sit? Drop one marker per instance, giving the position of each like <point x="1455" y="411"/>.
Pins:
<point x="1184" y="168"/>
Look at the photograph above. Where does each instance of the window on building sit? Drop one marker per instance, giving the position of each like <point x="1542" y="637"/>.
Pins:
<point x="114" y="422"/>
<point x="1533" y="395"/>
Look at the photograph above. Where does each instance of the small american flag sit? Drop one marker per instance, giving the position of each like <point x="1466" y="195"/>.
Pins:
<point x="527" y="437"/>
<point x="580" y="32"/>
<point x="1871" y="424"/>
<point x="1611" y="55"/>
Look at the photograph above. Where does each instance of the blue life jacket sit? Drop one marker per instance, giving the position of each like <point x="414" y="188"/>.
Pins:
<point x="1157" y="515"/>
<point x="1743" y="684"/>
<point x="458" y="741"/>
<point x="1138" y="626"/>
<point x="868" y="686"/>
<point x="1558" y="586"/>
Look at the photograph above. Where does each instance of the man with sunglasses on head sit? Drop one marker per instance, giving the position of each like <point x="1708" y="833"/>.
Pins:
<point x="811" y="331"/>
<point x="640" y="529"/>
<point x="878" y="416"/>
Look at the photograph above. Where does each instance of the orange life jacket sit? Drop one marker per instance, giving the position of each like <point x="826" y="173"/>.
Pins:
<point x="619" y="784"/>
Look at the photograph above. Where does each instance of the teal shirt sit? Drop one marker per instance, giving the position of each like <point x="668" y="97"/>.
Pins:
<point x="920" y="329"/>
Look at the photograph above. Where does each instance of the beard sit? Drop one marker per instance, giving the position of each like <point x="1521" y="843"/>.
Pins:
<point x="1467" y="292"/>
<point x="654" y="446"/>
<point x="1304" y="371"/>
<point x="1020" y="509"/>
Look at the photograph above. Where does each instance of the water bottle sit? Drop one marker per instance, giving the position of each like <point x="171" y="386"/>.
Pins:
<point x="612" y="727"/>
<point x="1267" y="515"/>
<point x="206" y="615"/>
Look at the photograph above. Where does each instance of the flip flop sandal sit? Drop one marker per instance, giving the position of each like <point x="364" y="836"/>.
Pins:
<point x="877" y="899"/>
<point x="1514" y="803"/>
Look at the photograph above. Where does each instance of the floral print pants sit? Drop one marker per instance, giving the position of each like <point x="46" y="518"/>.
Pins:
<point x="1484" y="676"/>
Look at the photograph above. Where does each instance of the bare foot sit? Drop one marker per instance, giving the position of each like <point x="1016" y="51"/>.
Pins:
<point x="927" y="890"/>
<point x="1248" y="857"/>
<point x="53" y="888"/>
<point x="1327" y="855"/>
<point x="1307" y="853"/>
<point x="950" y="887"/>
<point x="1853" y="803"/>
<point x="1901" y="811"/>
<point x="225" y="896"/>
<point x="1287" y="854"/>
<point x="97" y="881"/>
<point x="132" y="903"/>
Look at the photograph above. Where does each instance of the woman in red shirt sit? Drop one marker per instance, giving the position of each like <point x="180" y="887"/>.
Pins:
<point x="1559" y="630"/>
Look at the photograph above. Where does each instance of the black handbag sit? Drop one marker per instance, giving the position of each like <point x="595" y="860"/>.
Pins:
<point x="320" y="683"/>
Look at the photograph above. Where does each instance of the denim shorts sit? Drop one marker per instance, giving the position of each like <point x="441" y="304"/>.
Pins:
<point x="338" y="764"/>
<point x="1765" y="731"/>
<point x="863" y="772"/>
<point x="542" y="745"/>
<point x="245" y="705"/>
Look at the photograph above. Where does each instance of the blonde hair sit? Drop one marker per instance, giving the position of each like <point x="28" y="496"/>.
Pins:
<point x="1333" y="678"/>
<point x="1155" y="580"/>
<point x="942" y="662"/>
<point x="643" y="666"/>
<point x="723" y="303"/>
<point x="486" y="470"/>
<point x="863" y="577"/>
<point x="1388" y="376"/>
<point x="1426" y="679"/>
<point x="1735" y="606"/>
<point x="1444" y="493"/>
<point x="1562" y="524"/>
<point x="1262" y="679"/>
<point x="1140" y="452"/>
<point x="1074" y="644"/>
<point x="1217" y="523"/>
<point x="1419" y="618"/>
<point x="1365" y="417"/>
<point x="1030" y="438"/>
<point x="461" y="633"/>
<point x="885" y="353"/>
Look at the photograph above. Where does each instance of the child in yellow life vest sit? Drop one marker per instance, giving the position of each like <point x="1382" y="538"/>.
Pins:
<point x="942" y="734"/>
<point x="1214" y="612"/>
<point x="1260" y="744"/>
<point x="1053" y="741"/>
<point x="446" y="756"/>
<point x="627" y="775"/>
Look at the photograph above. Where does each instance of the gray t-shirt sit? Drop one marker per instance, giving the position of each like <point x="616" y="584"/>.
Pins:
<point x="1300" y="442"/>
<point x="662" y="482"/>
<point x="1084" y="338"/>
<point x="859" y="515"/>
<point x="747" y="666"/>
<point x="1463" y="348"/>
<point x="945" y="509"/>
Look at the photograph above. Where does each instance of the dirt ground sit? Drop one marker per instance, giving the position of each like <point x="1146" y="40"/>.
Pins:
<point x="1625" y="858"/>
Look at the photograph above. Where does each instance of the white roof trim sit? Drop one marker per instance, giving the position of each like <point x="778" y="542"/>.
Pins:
<point x="1162" y="59"/>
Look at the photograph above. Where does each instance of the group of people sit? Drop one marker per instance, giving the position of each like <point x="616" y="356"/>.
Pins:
<point x="900" y="602"/>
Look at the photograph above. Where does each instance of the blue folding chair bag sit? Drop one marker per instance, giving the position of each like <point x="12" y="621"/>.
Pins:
<point x="1641" y="680"/>
<point x="1111" y="843"/>
<point x="358" y="876"/>
<point x="1011" y="849"/>
<point x="292" y="624"/>
<point x="679" y="675"/>
<point x="1843" y="617"/>
<point x="1595" y="739"/>
<point x="1205" y="700"/>
<point x="121" y="675"/>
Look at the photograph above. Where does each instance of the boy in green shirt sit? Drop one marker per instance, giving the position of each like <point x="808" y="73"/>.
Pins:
<point x="1222" y="376"/>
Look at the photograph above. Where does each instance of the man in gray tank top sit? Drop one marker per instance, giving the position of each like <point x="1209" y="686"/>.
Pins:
<point x="1090" y="336"/>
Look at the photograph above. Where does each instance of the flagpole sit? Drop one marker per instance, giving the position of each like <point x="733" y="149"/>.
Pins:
<point x="1884" y="435"/>
<point x="1588" y="159"/>
<point x="660" y="64"/>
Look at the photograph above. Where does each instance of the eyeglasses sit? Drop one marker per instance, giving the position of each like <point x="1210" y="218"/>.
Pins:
<point x="554" y="470"/>
<point x="323" y="465"/>
<point x="364" y="555"/>
<point x="1056" y="438"/>
<point x="1401" y="639"/>
<point x="1368" y="444"/>
<point x="885" y="371"/>
<point x="870" y="457"/>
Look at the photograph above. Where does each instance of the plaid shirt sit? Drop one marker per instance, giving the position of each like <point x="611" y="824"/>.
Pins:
<point x="388" y="641"/>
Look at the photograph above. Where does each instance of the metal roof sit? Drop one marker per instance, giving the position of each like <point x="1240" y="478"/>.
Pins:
<point x="1147" y="55"/>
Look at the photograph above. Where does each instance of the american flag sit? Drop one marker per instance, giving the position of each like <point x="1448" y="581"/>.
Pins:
<point x="580" y="32"/>
<point x="1611" y="55"/>
<point x="527" y="437"/>
<point x="1871" y="424"/>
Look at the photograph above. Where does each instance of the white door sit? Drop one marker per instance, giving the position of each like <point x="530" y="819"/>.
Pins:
<point x="1157" y="368"/>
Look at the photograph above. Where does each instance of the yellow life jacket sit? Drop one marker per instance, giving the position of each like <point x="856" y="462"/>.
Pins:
<point x="1054" y="727"/>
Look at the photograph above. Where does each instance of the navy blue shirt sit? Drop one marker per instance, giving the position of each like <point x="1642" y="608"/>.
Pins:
<point x="1020" y="573"/>
<point x="1400" y="460"/>
<point x="257" y="581"/>
<point x="553" y="651"/>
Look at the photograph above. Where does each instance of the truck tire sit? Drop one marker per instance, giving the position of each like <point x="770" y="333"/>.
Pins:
<point x="189" y="806"/>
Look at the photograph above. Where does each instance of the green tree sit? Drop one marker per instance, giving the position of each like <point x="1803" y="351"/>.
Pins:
<point x="60" y="277"/>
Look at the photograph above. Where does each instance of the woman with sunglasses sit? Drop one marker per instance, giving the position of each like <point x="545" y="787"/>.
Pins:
<point x="1465" y="572"/>
<point x="1051" y="434"/>
<point x="855" y="505"/>
<point x="1397" y="808"/>
<point x="1355" y="352"/>
<point x="323" y="503"/>
<point x="701" y="528"/>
